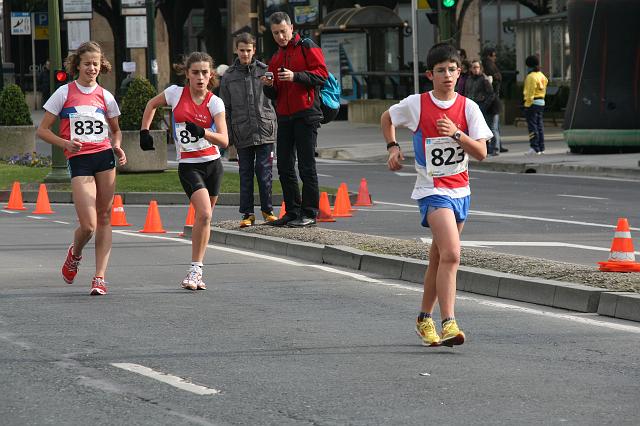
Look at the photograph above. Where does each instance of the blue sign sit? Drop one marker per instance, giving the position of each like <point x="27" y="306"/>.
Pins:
<point x="42" y="19"/>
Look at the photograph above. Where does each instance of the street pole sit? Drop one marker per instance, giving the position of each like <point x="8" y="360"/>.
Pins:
<point x="414" y="41"/>
<point x="1" y="67"/>
<point x="152" y="64"/>
<point x="445" y="15"/>
<point x="59" y="172"/>
<point x="32" y="17"/>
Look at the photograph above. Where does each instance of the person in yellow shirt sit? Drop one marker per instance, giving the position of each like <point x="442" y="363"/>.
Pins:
<point x="535" y="88"/>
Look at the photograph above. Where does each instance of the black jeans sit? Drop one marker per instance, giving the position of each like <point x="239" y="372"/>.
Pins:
<point x="256" y="159"/>
<point x="535" y="124"/>
<point x="298" y="138"/>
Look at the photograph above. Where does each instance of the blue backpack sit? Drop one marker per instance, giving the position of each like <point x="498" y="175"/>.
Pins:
<point x="329" y="93"/>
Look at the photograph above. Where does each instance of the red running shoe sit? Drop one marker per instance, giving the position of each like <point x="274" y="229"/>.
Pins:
<point x="70" y="266"/>
<point x="98" y="287"/>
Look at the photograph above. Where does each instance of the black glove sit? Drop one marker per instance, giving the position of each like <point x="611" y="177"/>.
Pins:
<point x="146" y="141"/>
<point x="194" y="129"/>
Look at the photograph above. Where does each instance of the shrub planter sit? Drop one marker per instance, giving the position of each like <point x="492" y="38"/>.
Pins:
<point x="17" y="140"/>
<point x="144" y="161"/>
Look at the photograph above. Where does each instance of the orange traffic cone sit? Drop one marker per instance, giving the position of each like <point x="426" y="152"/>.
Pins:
<point x="621" y="256"/>
<point x="283" y="211"/>
<point x="191" y="217"/>
<point x="364" y="199"/>
<point x="153" y="224"/>
<point x="341" y="207"/>
<point x="15" y="199"/>
<point x="42" y="203"/>
<point x="118" y="216"/>
<point x="347" y="198"/>
<point x="324" y="209"/>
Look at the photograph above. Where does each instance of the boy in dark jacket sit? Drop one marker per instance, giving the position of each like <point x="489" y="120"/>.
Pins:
<point x="297" y="76"/>
<point x="251" y="122"/>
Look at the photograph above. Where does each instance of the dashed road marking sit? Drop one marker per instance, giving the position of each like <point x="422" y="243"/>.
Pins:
<point x="169" y="379"/>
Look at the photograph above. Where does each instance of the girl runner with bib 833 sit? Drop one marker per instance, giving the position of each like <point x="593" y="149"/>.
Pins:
<point x="87" y="114"/>
<point x="200" y="130"/>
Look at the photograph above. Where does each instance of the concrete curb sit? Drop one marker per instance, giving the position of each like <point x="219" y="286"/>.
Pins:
<point x="557" y="294"/>
<point x="163" y="198"/>
<point x="142" y="198"/>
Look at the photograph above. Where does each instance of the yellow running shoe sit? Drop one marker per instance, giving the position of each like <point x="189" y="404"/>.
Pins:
<point x="247" y="220"/>
<point x="451" y="334"/>
<point x="426" y="329"/>
<point x="269" y="217"/>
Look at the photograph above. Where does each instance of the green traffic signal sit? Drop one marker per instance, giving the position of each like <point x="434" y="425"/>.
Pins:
<point x="448" y="3"/>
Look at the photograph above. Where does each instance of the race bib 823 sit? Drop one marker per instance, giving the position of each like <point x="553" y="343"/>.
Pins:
<point x="445" y="157"/>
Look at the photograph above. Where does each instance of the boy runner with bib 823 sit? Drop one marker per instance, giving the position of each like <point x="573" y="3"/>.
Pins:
<point x="447" y="128"/>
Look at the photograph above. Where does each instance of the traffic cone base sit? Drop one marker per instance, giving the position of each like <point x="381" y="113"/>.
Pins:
<point x="622" y="257"/>
<point x="42" y="203"/>
<point x="15" y="198"/>
<point x="153" y="223"/>
<point x="364" y="198"/>
<point x="118" y="216"/>
<point x="191" y="217"/>
<point x="324" y="209"/>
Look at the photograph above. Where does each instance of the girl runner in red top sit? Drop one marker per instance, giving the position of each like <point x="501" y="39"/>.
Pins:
<point x="200" y="130"/>
<point x="88" y="113"/>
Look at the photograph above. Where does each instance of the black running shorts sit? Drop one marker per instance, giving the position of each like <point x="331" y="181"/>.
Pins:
<point x="195" y="176"/>
<point x="90" y="164"/>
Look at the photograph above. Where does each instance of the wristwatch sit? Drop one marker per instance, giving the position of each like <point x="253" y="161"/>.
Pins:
<point x="391" y="144"/>
<point x="457" y="135"/>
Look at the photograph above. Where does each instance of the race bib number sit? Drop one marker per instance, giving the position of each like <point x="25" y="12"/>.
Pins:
<point x="445" y="157"/>
<point x="189" y="142"/>
<point x="88" y="127"/>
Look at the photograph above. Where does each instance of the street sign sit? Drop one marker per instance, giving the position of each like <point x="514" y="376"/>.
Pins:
<point x="20" y="23"/>
<point x="136" y="31"/>
<point x="78" y="32"/>
<point x="133" y="7"/>
<point x="42" y="25"/>
<point x="424" y="4"/>
<point x="77" y="9"/>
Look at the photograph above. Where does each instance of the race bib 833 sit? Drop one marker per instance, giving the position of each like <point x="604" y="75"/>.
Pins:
<point x="88" y="126"/>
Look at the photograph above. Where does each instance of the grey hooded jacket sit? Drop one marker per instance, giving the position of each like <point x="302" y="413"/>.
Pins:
<point x="251" y="117"/>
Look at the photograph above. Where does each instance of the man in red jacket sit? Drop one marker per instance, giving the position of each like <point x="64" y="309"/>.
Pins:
<point x="298" y="71"/>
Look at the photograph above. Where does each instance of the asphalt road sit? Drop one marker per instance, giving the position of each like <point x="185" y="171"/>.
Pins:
<point x="555" y="217"/>
<point x="281" y="342"/>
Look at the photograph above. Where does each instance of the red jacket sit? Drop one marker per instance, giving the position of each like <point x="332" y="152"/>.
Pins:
<point x="299" y="97"/>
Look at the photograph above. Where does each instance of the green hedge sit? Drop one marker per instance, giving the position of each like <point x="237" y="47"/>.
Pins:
<point x="134" y="103"/>
<point x="14" y="110"/>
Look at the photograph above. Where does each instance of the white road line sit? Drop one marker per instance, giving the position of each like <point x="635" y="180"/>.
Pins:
<point x="515" y="216"/>
<point x="9" y="211"/>
<point x="59" y="221"/>
<point x="36" y="217"/>
<point x="174" y="381"/>
<point x="403" y="174"/>
<point x="417" y="288"/>
<point x="525" y="244"/>
<point x="581" y="196"/>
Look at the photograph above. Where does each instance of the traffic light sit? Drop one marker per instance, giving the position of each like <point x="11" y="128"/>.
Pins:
<point x="60" y="78"/>
<point x="448" y="4"/>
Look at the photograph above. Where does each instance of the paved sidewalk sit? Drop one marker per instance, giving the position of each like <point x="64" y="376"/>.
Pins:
<point x="364" y="142"/>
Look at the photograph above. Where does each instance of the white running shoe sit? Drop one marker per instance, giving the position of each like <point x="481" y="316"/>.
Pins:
<point x="193" y="280"/>
<point x="531" y="152"/>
